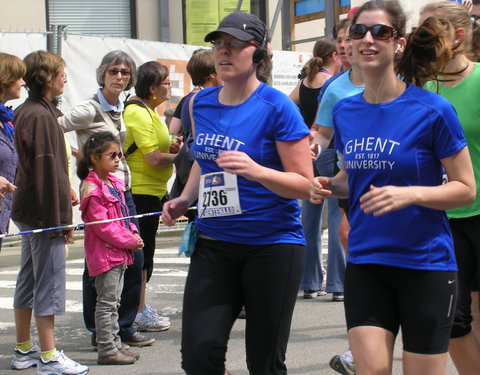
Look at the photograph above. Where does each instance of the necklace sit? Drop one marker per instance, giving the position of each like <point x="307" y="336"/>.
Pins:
<point x="458" y="76"/>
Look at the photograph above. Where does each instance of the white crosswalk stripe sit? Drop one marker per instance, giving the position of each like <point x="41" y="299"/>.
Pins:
<point x="168" y="279"/>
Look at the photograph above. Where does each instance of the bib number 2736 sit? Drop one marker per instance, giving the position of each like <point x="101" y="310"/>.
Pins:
<point x="218" y="195"/>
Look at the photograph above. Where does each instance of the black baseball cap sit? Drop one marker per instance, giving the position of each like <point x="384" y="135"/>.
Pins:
<point x="243" y="26"/>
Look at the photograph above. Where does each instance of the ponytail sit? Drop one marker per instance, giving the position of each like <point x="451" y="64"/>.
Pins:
<point x="476" y="41"/>
<point x="313" y="66"/>
<point x="429" y="48"/>
<point x="83" y="168"/>
<point x="323" y="51"/>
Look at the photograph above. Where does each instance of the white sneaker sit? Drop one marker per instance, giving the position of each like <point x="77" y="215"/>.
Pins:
<point x="343" y="363"/>
<point x="23" y="360"/>
<point x="148" y="322"/>
<point x="60" y="364"/>
<point x="155" y="313"/>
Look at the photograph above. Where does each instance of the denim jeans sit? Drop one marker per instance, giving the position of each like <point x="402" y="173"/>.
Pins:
<point x="312" y="222"/>
<point x="109" y="287"/>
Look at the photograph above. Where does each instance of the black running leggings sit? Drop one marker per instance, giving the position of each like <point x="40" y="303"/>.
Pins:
<point x="223" y="277"/>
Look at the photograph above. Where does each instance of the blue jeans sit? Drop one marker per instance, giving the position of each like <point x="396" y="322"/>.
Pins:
<point x="312" y="222"/>
<point x="132" y="283"/>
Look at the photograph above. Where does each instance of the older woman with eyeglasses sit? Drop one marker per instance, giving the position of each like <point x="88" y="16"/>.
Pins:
<point x="103" y="112"/>
<point x="150" y="156"/>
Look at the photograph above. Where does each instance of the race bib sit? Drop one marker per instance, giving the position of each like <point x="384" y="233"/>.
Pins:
<point x="218" y="195"/>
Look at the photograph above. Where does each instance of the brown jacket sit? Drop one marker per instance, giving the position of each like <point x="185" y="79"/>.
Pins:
<point x="42" y="198"/>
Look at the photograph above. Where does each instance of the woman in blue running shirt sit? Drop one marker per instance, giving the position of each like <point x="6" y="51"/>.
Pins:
<point x="394" y="139"/>
<point x="252" y="164"/>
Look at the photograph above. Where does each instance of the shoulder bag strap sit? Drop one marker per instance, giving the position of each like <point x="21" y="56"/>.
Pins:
<point x="190" y="110"/>
<point x="133" y="147"/>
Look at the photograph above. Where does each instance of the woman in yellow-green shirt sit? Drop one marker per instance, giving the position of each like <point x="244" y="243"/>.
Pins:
<point x="150" y="157"/>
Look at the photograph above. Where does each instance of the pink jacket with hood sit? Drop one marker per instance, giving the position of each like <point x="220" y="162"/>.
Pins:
<point x="106" y="245"/>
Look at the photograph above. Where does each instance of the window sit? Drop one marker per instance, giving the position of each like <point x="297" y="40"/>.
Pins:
<point x="309" y="10"/>
<point x="115" y="18"/>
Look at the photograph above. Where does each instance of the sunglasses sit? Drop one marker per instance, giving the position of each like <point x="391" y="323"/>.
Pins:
<point x="123" y="72"/>
<point x="231" y="43"/>
<point x="114" y="155"/>
<point x="380" y="32"/>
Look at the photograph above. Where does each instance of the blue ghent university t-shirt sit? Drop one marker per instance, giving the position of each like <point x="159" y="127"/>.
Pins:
<point x="398" y="143"/>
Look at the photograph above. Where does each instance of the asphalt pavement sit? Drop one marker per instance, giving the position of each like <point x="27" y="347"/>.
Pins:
<point x="318" y="329"/>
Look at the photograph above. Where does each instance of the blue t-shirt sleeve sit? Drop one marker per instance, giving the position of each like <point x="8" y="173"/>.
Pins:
<point x="448" y="137"/>
<point x="324" y="116"/>
<point x="324" y="88"/>
<point x="327" y="83"/>
<point x="289" y="121"/>
<point x="337" y="140"/>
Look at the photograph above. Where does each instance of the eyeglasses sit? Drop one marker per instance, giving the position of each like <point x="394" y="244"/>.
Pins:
<point x="114" y="155"/>
<point x="168" y="83"/>
<point x="230" y="43"/>
<point x="380" y="31"/>
<point x="123" y="72"/>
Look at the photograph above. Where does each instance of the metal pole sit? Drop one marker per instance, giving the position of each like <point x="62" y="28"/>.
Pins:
<point x="275" y="18"/>
<point x="59" y="34"/>
<point x="286" y="33"/>
<point x="51" y="39"/>
<point x="329" y="17"/>
<point x="164" y="21"/>
<point x="239" y="5"/>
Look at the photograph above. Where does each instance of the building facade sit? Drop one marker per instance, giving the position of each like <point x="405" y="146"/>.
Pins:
<point x="297" y="25"/>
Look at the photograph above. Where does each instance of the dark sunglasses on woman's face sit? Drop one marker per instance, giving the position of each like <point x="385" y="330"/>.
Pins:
<point x="113" y="155"/>
<point x="123" y="72"/>
<point x="380" y="31"/>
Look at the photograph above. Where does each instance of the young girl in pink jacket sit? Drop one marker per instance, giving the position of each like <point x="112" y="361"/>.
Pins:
<point x="108" y="246"/>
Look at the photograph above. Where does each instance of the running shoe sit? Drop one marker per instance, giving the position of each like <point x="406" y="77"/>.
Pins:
<point x="151" y="321"/>
<point x="310" y="294"/>
<point x="138" y="340"/>
<point x="23" y="360"/>
<point x="343" y="363"/>
<point x="337" y="297"/>
<point x="60" y="364"/>
<point x="154" y="312"/>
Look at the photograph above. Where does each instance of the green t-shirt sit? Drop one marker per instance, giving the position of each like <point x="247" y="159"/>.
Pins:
<point x="150" y="133"/>
<point x="465" y="98"/>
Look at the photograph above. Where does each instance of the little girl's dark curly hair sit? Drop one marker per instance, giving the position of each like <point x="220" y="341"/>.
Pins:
<point x="95" y="145"/>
